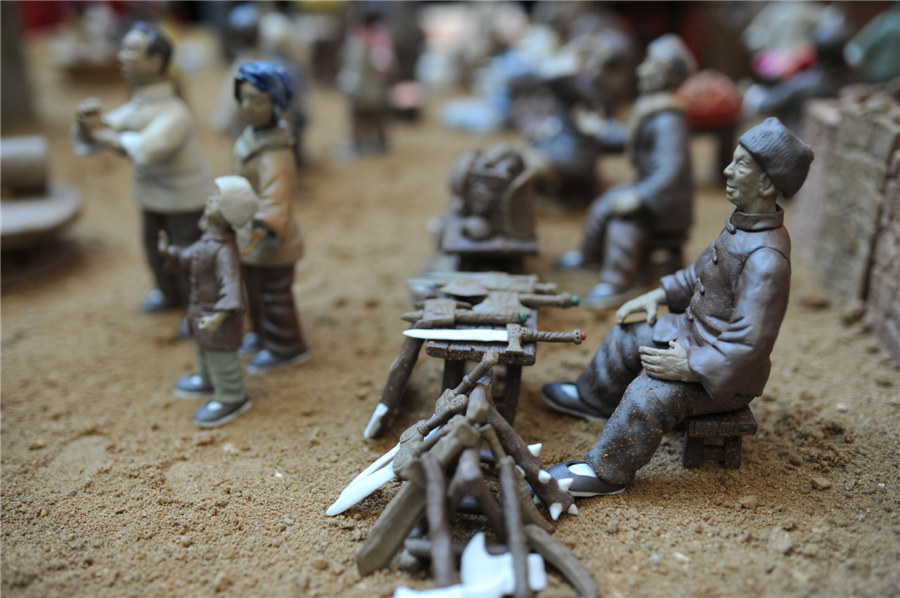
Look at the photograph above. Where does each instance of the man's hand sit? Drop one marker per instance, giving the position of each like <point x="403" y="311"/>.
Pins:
<point x="211" y="323"/>
<point x="87" y="115"/>
<point x="162" y="243"/>
<point x="589" y="122"/>
<point x="256" y="236"/>
<point x="667" y="364"/>
<point x="625" y="203"/>
<point x="647" y="303"/>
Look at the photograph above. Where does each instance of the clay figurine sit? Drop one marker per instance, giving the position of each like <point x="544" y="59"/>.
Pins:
<point x="217" y="302"/>
<point x="252" y="36"/>
<point x="786" y="99"/>
<point x="710" y="353"/>
<point x="155" y="131"/>
<point x="272" y="243"/>
<point x="628" y="222"/>
<point x="368" y="62"/>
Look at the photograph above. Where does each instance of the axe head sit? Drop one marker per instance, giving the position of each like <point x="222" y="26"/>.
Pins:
<point x="479" y="569"/>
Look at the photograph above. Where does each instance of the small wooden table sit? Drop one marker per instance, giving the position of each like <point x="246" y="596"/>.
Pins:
<point x="456" y="353"/>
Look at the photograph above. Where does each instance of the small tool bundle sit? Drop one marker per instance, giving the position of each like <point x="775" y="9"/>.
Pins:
<point x="443" y="470"/>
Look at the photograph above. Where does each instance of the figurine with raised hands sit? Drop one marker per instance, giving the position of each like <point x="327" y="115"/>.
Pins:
<point x="155" y="131"/>
<point x="271" y="244"/>
<point x="710" y="353"/>
<point x="625" y="224"/>
<point x="217" y="302"/>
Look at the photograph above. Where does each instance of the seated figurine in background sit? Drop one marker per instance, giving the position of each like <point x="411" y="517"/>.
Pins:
<point x="624" y="225"/>
<point x="217" y="302"/>
<point x="710" y="354"/>
<point x="273" y="243"/>
<point x="824" y="79"/>
<point x="156" y="132"/>
<point x="592" y="74"/>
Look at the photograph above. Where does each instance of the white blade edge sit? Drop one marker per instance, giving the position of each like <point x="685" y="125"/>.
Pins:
<point x="446" y="334"/>
<point x="356" y="492"/>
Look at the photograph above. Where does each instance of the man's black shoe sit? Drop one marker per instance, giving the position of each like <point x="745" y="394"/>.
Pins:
<point x="214" y="413"/>
<point x="192" y="386"/>
<point x="265" y="361"/>
<point x="564" y="397"/>
<point x="605" y="295"/>
<point x="585" y="482"/>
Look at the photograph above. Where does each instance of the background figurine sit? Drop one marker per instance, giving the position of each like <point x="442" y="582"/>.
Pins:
<point x="587" y="76"/>
<point x="367" y="67"/>
<point x="217" y="302"/>
<point x="786" y="99"/>
<point x="271" y="246"/>
<point x="710" y="354"/>
<point x="155" y="131"/>
<point x="655" y="210"/>
<point x="251" y="36"/>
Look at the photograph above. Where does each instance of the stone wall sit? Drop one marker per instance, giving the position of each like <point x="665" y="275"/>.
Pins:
<point x="883" y="304"/>
<point x="845" y="221"/>
<point x="837" y="212"/>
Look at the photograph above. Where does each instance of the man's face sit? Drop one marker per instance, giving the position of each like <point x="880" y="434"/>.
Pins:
<point x="744" y="179"/>
<point x="256" y="105"/>
<point x="653" y="74"/>
<point x="137" y="67"/>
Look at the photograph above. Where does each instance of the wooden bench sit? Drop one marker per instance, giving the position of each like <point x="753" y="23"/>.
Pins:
<point x="716" y="438"/>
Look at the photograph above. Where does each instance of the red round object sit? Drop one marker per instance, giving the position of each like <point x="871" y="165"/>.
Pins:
<point x="712" y="100"/>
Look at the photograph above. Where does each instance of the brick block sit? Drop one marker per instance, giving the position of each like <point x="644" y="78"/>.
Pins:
<point x="821" y="118"/>
<point x="836" y="218"/>
<point x="883" y="303"/>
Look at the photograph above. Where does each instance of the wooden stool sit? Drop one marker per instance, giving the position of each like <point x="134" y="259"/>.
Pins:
<point x="716" y="438"/>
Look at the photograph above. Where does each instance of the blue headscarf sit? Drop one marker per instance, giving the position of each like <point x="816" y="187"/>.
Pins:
<point x="267" y="77"/>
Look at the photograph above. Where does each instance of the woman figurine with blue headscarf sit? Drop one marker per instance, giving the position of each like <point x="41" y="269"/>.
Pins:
<point x="271" y="244"/>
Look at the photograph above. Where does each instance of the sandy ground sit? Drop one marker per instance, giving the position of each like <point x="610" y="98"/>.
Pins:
<point x="109" y="490"/>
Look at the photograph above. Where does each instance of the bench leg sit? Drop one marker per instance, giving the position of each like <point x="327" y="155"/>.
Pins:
<point x="724" y="451"/>
<point x="731" y="452"/>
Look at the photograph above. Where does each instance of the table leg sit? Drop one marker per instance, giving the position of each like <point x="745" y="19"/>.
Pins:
<point x="454" y="370"/>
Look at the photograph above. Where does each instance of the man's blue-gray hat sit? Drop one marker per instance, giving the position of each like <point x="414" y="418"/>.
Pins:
<point x="783" y="156"/>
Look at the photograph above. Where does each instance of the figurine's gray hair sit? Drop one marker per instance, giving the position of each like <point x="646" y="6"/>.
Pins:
<point x="681" y="62"/>
<point x="239" y="201"/>
<point x="783" y="156"/>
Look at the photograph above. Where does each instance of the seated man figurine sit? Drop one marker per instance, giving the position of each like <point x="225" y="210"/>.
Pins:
<point x="710" y="354"/>
<point x="621" y="223"/>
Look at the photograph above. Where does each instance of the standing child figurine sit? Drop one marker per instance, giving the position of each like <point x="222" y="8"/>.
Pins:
<point x="217" y="301"/>
<point x="263" y="154"/>
<point x="710" y="353"/>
